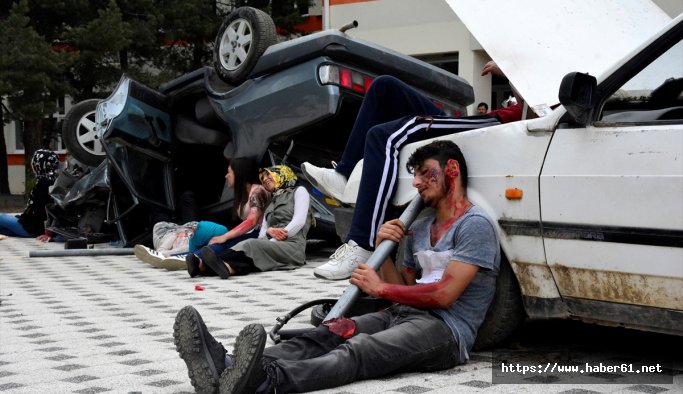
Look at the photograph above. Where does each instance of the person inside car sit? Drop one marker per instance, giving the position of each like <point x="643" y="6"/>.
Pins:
<point x="281" y="242"/>
<point x="250" y="200"/>
<point x="431" y="326"/>
<point x="392" y="115"/>
<point x="482" y="108"/>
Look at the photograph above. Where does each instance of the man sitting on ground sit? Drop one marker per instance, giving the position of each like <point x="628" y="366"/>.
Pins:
<point x="451" y="255"/>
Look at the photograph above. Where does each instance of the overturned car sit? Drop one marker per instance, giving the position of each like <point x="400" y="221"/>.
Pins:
<point x="289" y="102"/>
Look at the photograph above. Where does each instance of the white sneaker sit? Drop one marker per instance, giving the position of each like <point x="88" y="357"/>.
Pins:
<point x="148" y="255"/>
<point x="174" y="263"/>
<point x="342" y="262"/>
<point x="328" y="181"/>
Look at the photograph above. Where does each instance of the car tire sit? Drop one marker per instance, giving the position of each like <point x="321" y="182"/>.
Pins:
<point x="241" y="40"/>
<point x="505" y="313"/>
<point x="78" y="133"/>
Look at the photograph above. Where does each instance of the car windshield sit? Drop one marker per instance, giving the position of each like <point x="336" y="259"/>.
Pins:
<point x="659" y="85"/>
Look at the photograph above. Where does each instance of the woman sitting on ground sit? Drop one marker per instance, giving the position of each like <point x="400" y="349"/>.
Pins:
<point x="249" y="202"/>
<point x="31" y="223"/>
<point x="281" y="244"/>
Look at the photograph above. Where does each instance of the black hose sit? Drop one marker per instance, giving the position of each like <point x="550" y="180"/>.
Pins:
<point x="281" y="321"/>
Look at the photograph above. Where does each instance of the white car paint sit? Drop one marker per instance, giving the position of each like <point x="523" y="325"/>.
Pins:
<point x="544" y="41"/>
<point x="602" y="204"/>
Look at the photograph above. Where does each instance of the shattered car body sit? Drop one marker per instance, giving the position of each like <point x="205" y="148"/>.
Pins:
<point x="297" y="104"/>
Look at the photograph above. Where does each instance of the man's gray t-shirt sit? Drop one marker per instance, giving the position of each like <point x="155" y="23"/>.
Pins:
<point x="472" y="239"/>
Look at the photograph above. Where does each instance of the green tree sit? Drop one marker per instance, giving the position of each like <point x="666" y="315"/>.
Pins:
<point x="31" y="78"/>
<point x="98" y="43"/>
<point x="188" y="30"/>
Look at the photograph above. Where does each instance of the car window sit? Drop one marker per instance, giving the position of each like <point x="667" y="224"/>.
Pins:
<point x="654" y="94"/>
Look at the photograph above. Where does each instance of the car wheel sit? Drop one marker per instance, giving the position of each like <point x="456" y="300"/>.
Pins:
<point x="505" y="313"/>
<point x="243" y="37"/>
<point x="78" y="133"/>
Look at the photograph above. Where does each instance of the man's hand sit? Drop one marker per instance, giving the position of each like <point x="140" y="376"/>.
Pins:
<point x="366" y="279"/>
<point x="278" y="233"/>
<point x="493" y="69"/>
<point x="393" y="230"/>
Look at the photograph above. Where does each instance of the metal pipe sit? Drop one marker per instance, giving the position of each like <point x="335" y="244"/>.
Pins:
<point x="375" y="261"/>
<point x="348" y="26"/>
<point x="80" y="252"/>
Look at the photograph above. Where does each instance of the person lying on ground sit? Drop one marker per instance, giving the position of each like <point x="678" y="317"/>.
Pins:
<point x="391" y="116"/>
<point x="440" y="298"/>
<point x="249" y="202"/>
<point x="281" y="243"/>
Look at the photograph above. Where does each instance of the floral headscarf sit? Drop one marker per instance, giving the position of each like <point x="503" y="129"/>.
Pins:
<point x="283" y="176"/>
<point x="45" y="163"/>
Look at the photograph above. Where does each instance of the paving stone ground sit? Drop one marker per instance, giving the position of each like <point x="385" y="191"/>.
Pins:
<point x="104" y="325"/>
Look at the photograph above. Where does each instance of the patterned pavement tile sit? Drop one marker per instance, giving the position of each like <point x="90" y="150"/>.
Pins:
<point x="104" y="324"/>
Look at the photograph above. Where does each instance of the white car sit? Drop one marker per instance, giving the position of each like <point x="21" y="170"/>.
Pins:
<point x="588" y="198"/>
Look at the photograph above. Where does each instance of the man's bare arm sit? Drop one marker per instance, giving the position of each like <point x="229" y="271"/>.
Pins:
<point x="442" y="294"/>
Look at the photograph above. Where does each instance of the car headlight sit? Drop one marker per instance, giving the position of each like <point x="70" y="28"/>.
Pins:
<point x="111" y="107"/>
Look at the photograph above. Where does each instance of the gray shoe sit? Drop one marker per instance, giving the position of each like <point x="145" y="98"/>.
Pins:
<point x="247" y="372"/>
<point x="203" y="355"/>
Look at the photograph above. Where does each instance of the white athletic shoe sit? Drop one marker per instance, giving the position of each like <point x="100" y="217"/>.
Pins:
<point x="148" y="255"/>
<point x="327" y="180"/>
<point x="174" y="263"/>
<point x="342" y="262"/>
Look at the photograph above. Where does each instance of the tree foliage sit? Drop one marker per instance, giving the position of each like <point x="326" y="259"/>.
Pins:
<point x="80" y="47"/>
<point x="31" y="77"/>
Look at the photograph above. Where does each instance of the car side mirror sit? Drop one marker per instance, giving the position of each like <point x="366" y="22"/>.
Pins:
<point x="578" y="95"/>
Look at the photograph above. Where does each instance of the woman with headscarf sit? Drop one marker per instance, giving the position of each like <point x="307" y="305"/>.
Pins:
<point x="281" y="244"/>
<point x="250" y="200"/>
<point x="31" y="223"/>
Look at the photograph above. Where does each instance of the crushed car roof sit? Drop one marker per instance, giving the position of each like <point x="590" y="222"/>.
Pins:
<point x="536" y="42"/>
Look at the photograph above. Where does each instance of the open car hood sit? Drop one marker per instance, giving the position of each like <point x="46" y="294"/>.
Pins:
<point x="536" y="42"/>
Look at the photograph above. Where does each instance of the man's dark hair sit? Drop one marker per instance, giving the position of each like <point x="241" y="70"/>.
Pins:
<point x="441" y="151"/>
<point x="484" y="105"/>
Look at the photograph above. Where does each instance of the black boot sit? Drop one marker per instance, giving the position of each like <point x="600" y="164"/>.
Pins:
<point x="247" y="372"/>
<point x="203" y="355"/>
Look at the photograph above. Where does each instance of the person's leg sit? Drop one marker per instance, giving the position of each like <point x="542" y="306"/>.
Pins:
<point x="378" y="183"/>
<point x="321" y="340"/>
<point x="380" y="168"/>
<point x="203" y="355"/>
<point x="10" y="226"/>
<point x="221" y="248"/>
<point x="387" y="99"/>
<point x="218" y="250"/>
<point x="416" y="341"/>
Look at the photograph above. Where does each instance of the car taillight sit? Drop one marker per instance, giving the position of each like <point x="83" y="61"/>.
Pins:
<point x="347" y="78"/>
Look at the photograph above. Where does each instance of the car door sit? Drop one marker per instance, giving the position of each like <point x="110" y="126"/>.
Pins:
<point x="612" y="196"/>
